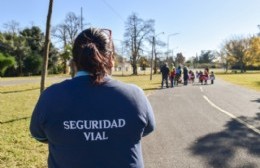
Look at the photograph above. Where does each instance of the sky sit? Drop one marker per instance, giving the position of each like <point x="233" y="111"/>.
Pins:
<point x="200" y="24"/>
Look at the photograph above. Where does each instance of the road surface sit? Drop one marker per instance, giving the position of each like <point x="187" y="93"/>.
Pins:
<point x="204" y="126"/>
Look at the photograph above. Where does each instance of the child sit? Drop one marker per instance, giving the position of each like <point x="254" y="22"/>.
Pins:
<point x="212" y="77"/>
<point x="201" y="77"/>
<point x="172" y="76"/>
<point x="191" y="76"/>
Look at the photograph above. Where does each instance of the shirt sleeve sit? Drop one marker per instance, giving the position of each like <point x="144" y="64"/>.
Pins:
<point x="36" y="125"/>
<point x="150" y="119"/>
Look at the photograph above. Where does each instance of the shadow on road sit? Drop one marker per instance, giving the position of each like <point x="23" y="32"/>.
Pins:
<point x="17" y="91"/>
<point x="219" y="148"/>
<point x="256" y="100"/>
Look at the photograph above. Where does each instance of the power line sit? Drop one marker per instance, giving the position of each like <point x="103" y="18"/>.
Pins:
<point x="113" y="10"/>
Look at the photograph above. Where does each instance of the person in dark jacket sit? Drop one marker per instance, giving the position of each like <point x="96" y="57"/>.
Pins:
<point x="185" y="75"/>
<point x="93" y="120"/>
<point x="165" y="75"/>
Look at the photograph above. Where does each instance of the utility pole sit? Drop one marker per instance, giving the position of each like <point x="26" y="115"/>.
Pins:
<point x="81" y="18"/>
<point x="153" y="53"/>
<point x="151" y="72"/>
<point x="168" y="41"/>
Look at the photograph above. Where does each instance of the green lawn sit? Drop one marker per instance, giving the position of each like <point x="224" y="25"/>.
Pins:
<point x="250" y="79"/>
<point x="17" y="148"/>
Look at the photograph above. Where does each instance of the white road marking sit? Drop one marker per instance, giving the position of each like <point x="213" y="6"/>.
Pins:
<point x="201" y="89"/>
<point x="232" y="116"/>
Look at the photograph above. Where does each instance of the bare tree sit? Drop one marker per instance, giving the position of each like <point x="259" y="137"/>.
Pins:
<point x="46" y="46"/>
<point x="66" y="33"/>
<point x="60" y="32"/>
<point x="136" y="33"/>
<point x="12" y="27"/>
<point x="73" y="26"/>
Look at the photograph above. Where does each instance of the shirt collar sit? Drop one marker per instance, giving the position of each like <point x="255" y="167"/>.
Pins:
<point x="81" y="73"/>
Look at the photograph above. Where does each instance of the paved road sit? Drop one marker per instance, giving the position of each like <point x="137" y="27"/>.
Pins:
<point x="204" y="126"/>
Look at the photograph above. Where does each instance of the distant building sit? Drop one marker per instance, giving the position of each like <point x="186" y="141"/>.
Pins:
<point x="123" y="67"/>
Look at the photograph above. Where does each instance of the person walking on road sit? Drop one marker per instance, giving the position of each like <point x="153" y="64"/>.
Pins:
<point x="212" y="77"/>
<point x="172" y="76"/>
<point x="93" y="120"/>
<point x="185" y="75"/>
<point x="165" y="74"/>
<point x="178" y="75"/>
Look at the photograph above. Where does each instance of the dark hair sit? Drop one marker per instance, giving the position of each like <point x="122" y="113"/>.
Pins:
<point x="93" y="51"/>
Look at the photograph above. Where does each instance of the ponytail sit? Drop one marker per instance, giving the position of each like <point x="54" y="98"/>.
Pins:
<point x="93" y="52"/>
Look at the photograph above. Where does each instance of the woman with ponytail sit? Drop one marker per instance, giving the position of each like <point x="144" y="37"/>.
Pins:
<point x="93" y="120"/>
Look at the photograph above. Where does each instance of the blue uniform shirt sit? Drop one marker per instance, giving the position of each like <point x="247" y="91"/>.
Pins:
<point x="88" y="126"/>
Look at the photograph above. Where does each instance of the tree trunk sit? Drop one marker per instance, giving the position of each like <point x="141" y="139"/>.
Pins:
<point x="46" y="47"/>
<point x="134" y="65"/>
<point x="20" y="66"/>
<point x="64" y="67"/>
<point x="241" y="67"/>
<point x="134" y="69"/>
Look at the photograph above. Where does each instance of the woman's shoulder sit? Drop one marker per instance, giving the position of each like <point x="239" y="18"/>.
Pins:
<point x="57" y="86"/>
<point x="125" y="86"/>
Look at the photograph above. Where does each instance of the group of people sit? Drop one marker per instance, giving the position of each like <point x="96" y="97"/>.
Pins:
<point x="205" y="76"/>
<point x="179" y="75"/>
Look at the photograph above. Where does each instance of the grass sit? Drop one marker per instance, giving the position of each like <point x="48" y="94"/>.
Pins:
<point x="249" y="80"/>
<point x="142" y="81"/>
<point x="17" y="148"/>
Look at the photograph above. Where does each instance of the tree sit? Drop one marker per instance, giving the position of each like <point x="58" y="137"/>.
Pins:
<point x="33" y="64"/>
<point x="66" y="33"/>
<point x="253" y="55"/>
<point x="73" y="26"/>
<point x="143" y="62"/>
<point x="136" y="33"/>
<point x="195" y="61"/>
<point x="17" y="47"/>
<point x="236" y="51"/>
<point x="224" y="59"/>
<point x="65" y="56"/>
<point x="6" y="61"/>
<point x="206" y="56"/>
<point x="46" y="47"/>
<point x="60" y="33"/>
<point x="34" y="38"/>
<point x="54" y="57"/>
<point x="180" y="59"/>
<point x="12" y="27"/>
